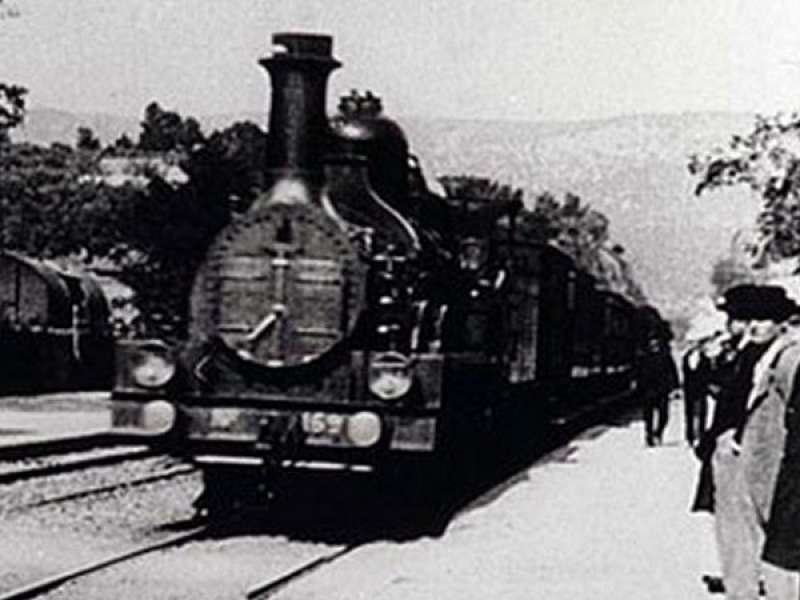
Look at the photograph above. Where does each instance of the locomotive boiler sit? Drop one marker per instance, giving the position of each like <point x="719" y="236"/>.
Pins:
<point x="351" y="320"/>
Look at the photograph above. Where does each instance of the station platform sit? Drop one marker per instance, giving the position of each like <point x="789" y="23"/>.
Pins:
<point x="25" y="419"/>
<point x="604" y="518"/>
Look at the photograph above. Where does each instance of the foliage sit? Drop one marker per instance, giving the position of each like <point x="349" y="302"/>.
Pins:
<point x="87" y="140"/>
<point x="12" y="108"/>
<point x="45" y="207"/>
<point x="164" y="130"/>
<point x="8" y="10"/>
<point x="62" y="201"/>
<point x="583" y="233"/>
<point x="122" y="146"/>
<point x="479" y="202"/>
<point x="478" y="189"/>
<point x="573" y="226"/>
<point x="767" y="160"/>
<point x="172" y="226"/>
<point x="233" y="158"/>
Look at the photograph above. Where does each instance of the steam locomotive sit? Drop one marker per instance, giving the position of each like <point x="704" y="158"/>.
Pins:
<point x="352" y="320"/>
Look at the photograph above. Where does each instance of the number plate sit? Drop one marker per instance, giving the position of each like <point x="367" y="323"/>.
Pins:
<point x="323" y="428"/>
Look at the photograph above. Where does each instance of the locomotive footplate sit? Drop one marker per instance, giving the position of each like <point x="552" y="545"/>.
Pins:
<point x="313" y="436"/>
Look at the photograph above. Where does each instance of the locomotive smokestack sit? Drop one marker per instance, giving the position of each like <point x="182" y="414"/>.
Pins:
<point x="298" y="125"/>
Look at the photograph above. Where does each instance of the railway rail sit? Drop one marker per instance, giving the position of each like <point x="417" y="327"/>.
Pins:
<point x="266" y="589"/>
<point x="107" y="488"/>
<point x="48" y="584"/>
<point x="56" y="463"/>
<point x="209" y="531"/>
<point x="259" y="591"/>
<point x="62" y="445"/>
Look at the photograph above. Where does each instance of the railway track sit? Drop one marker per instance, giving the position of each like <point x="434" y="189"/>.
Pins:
<point x="268" y="588"/>
<point x="68" y="465"/>
<point x="64" y="455"/>
<point x="107" y="488"/>
<point x="63" y="445"/>
<point x="48" y="584"/>
<point x="259" y="591"/>
<point x="208" y="531"/>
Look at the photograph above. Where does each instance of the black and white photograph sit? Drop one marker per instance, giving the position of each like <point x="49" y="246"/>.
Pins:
<point x="380" y="300"/>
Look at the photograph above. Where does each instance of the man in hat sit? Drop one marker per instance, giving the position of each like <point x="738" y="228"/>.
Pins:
<point x="722" y="353"/>
<point x="748" y="445"/>
<point x="770" y="453"/>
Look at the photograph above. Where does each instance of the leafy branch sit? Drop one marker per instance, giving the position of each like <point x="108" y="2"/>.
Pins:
<point x="767" y="161"/>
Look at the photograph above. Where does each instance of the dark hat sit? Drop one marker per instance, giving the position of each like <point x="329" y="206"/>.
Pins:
<point x="735" y="300"/>
<point x="767" y="302"/>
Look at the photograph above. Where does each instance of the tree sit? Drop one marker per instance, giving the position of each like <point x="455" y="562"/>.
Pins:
<point x="8" y="10"/>
<point x="123" y="146"/>
<point x="87" y="140"/>
<point x="12" y="108"/>
<point x="57" y="201"/>
<point x="168" y="228"/>
<point x="479" y="201"/>
<point x="231" y="161"/>
<point x="164" y="130"/>
<point x="767" y="160"/>
<point x="50" y="205"/>
<point x="189" y="134"/>
<point x="572" y="225"/>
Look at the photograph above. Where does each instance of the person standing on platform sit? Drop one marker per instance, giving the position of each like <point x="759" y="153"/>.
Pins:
<point x="771" y="450"/>
<point x="746" y="435"/>
<point x="723" y="353"/>
<point x="695" y="368"/>
<point x="657" y="377"/>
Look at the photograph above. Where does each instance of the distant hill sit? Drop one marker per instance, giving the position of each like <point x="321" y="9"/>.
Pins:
<point x="632" y="168"/>
<point x="47" y="125"/>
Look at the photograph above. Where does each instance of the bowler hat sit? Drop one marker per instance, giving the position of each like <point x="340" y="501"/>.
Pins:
<point x="736" y="300"/>
<point x="763" y="302"/>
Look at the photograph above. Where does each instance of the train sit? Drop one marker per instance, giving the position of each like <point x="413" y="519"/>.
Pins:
<point x="54" y="328"/>
<point x="353" y="321"/>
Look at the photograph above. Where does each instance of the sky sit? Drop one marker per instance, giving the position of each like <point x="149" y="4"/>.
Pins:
<point x="472" y="59"/>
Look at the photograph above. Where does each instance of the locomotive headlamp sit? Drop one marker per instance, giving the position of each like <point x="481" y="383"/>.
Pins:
<point x="152" y="366"/>
<point x="390" y="375"/>
<point x="158" y="416"/>
<point x="363" y="429"/>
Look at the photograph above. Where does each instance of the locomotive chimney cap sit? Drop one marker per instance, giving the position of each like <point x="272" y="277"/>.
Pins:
<point x="303" y="45"/>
